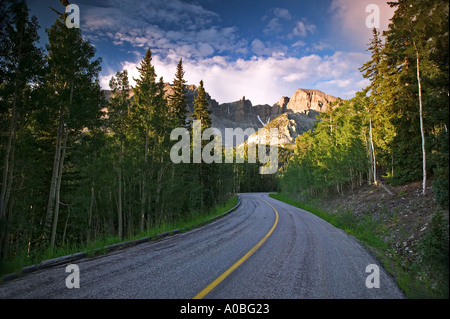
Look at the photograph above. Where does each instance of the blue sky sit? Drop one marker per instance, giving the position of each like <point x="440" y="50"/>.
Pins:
<point x="262" y="49"/>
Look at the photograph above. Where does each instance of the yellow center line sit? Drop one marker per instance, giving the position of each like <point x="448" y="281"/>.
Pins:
<point x="219" y="279"/>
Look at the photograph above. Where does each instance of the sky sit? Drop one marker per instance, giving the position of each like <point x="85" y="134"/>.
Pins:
<point x="260" y="49"/>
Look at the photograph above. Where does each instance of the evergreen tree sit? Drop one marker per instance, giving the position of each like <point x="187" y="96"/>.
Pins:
<point x="178" y="101"/>
<point x="72" y="83"/>
<point x="374" y="108"/>
<point x="415" y="35"/>
<point x="144" y="99"/>
<point x="21" y="63"/>
<point x="119" y="106"/>
<point x="205" y="172"/>
<point x="144" y="112"/>
<point x="201" y="111"/>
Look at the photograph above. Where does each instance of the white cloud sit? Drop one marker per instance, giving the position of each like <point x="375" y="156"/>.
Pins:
<point x="273" y="26"/>
<point x="294" y="77"/>
<point x="193" y="36"/>
<point x="299" y="43"/>
<point x="263" y="80"/>
<point x="267" y="49"/>
<point x="282" y="13"/>
<point x="302" y="29"/>
<point x="318" y="46"/>
<point x="204" y="49"/>
<point x="163" y="25"/>
<point x="258" y="47"/>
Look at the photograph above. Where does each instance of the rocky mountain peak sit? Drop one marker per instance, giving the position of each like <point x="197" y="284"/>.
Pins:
<point x="305" y="100"/>
<point x="299" y="111"/>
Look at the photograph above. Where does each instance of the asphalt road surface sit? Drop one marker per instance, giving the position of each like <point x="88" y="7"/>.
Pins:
<point x="264" y="249"/>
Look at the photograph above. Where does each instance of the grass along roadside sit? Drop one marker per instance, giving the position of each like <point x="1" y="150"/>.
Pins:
<point x="364" y="229"/>
<point x="424" y="277"/>
<point x="14" y="267"/>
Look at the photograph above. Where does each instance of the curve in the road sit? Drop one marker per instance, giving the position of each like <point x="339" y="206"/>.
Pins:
<point x="219" y="279"/>
<point x="253" y="253"/>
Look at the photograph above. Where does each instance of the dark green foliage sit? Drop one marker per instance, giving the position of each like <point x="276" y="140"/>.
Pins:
<point x="435" y="253"/>
<point x="377" y="135"/>
<point x="178" y="102"/>
<point x="418" y="34"/>
<point x="441" y="162"/>
<point x="21" y="69"/>
<point x="201" y="111"/>
<point x="333" y="156"/>
<point x="435" y="242"/>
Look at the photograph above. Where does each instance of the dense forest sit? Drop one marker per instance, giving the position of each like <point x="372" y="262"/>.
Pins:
<point x="394" y="131"/>
<point x="77" y="166"/>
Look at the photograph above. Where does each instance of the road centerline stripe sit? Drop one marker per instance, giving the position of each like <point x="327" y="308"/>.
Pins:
<point x="219" y="279"/>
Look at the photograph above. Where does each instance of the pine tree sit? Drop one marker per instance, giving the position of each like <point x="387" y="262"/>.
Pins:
<point x="119" y="106"/>
<point x="144" y="112"/>
<point x="21" y="63"/>
<point x="72" y="82"/>
<point x="413" y="38"/>
<point x="201" y="112"/>
<point x="202" y="115"/>
<point x="371" y="72"/>
<point x="178" y="101"/>
<point x="144" y="98"/>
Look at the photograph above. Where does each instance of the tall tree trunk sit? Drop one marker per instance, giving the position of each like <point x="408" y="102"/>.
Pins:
<point x="143" y="181"/>
<point x="91" y="207"/>
<point x="369" y="154"/>
<point x="374" y="161"/>
<point x="54" y="180"/>
<point x="12" y="133"/>
<point x="6" y="163"/>
<point x="6" y="189"/>
<point x="422" y="131"/>
<point x="65" y="227"/>
<point x="119" y="193"/>
<point x="58" y="189"/>
<point x="59" y="174"/>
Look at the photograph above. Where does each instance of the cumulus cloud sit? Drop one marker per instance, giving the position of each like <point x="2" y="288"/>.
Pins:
<point x="302" y="29"/>
<point x="282" y="13"/>
<point x="174" y="29"/>
<point x="263" y="80"/>
<point x="299" y="43"/>
<point x="165" y="25"/>
<point x="274" y="26"/>
<point x="261" y="48"/>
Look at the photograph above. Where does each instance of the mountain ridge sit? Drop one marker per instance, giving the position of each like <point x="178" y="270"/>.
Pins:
<point x="299" y="112"/>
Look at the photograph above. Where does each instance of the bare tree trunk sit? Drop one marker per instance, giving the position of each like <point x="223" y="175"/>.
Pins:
<point x="58" y="189"/>
<point x="65" y="227"/>
<point x="374" y="161"/>
<point x="119" y="193"/>
<point x="422" y="132"/>
<point x="65" y="131"/>
<point x="369" y="154"/>
<point x="91" y="206"/>
<point x="6" y="162"/>
<point x="11" y="136"/>
<point x="143" y="197"/>
<point x="158" y="195"/>
<point x="143" y="182"/>
<point x="53" y="183"/>
<point x="7" y="180"/>
<point x="7" y="188"/>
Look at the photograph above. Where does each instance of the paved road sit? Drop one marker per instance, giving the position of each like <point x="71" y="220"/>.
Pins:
<point x="303" y="257"/>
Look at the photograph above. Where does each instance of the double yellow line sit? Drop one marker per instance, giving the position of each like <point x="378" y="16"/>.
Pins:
<point x="219" y="279"/>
